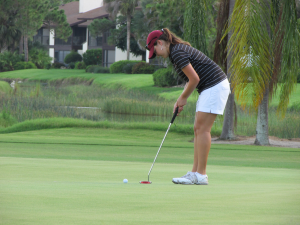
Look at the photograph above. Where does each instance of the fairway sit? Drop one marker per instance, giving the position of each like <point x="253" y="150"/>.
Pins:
<point x="74" y="176"/>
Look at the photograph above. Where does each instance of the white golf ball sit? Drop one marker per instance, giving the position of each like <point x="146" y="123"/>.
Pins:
<point x="125" y="181"/>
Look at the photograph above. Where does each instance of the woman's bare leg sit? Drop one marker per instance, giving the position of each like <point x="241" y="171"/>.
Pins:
<point x="202" y="142"/>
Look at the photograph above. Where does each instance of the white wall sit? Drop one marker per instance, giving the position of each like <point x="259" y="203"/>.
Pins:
<point x="51" y="54"/>
<point x="147" y="56"/>
<point x="51" y="37"/>
<point x="123" y="55"/>
<point x="87" y="5"/>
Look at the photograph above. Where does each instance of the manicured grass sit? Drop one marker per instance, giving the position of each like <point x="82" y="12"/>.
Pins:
<point x="74" y="176"/>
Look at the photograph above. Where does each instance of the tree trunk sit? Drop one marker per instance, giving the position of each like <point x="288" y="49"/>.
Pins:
<point x="228" y="124"/>
<point x="128" y="36"/>
<point x="26" y="47"/>
<point x="262" y="127"/>
<point x="21" y="47"/>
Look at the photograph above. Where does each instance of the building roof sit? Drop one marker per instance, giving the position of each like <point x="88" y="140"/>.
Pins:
<point x="82" y="19"/>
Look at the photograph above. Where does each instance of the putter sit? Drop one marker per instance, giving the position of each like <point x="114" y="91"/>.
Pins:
<point x="173" y="118"/>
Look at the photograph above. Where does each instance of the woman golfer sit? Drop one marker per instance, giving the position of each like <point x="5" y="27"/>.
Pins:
<point x="211" y="82"/>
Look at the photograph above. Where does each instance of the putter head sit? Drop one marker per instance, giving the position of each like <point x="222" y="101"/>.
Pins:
<point x="145" y="182"/>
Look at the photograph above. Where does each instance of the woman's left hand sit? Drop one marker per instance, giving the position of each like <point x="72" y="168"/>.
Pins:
<point x="180" y="103"/>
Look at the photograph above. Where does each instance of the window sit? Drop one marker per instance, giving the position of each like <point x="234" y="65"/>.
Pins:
<point x="108" y="57"/>
<point x="60" y="56"/>
<point x="96" y="42"/>
<point x="42" y="36"/>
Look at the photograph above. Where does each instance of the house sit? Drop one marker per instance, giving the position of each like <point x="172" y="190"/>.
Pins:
<point x="80" y="14"/>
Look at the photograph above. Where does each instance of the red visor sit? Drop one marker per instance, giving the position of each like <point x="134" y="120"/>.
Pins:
<point x="152" y="37"/>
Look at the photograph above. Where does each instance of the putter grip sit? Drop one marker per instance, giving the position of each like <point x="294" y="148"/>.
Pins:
<point x="174" y="115"/>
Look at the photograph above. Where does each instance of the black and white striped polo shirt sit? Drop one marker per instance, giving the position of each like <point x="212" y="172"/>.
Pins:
<point x="208" y="71"/>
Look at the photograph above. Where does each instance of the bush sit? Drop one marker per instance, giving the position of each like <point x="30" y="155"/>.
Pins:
<point x="73" y="57"/>
<point x="25" y="65"/>
<point x="164" y="77"/>
<point x="8" y="60"/>
<point x="142" y="68"/>
<point x="128" y="68"/>
<point x="97" y="69"/>
<point x="71" y="65"/>
<point x="298" y="77"/>
<point x="92" y="57"/>
<point x="57" y="65"/>
<point x="117" y="67"/>
<point x="6" y="119"/>
<point x="39" y="57"/>
<point x="80" y="65"/>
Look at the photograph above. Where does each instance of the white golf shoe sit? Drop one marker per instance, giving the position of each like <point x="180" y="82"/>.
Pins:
<point x="191" y="178"/>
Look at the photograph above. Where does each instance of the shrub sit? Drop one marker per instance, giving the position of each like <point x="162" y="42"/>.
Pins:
<point x="73" y="57"/>
<point x="57" y="65"/>
<point x="39" y="57"/>
<point x="8" y="60"/>
<point x="71" y="65"/>
<point x="97" y="69"/>
<point x="142" y="68"/>
<point x="164" y="77"/>
<point x="128" y="68"/>
<point x="25" y="65"/>
<point x="87" y="68"/>
<point x="80" y="65"/>
<point x="117" y="67"/>
<point x="6" y="119"/>
<point x="92" y="57"/>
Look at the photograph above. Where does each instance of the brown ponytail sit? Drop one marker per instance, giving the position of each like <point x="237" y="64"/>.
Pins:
<point x="171" y="38"/>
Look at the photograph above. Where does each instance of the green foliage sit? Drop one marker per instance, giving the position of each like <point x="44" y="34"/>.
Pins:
<point x="39" y="55"/>
<point x="128" y="67"/>
<point x="73" y="57"/>
<point x="194" y="24"/>
<point x="71" y="65"/>
<point x="8" y="60"/>
<point x="164" y="77"/>
<point x="57" y="65"/>
<point x="6" y="119"/>
<point x="58" y="17"/>
<point x="25" y="65"/>
<point x="118" y="37"/>
<point x="93" y="57"/>
<point x="80" y="65"/>
<point x="142" y="68"/>
<point x="5" y="87"/>
<point x="298" y="77"/>
<point x="97" y="69"/>
<point x="100" y="26"/>
<point x="117" y="67"/>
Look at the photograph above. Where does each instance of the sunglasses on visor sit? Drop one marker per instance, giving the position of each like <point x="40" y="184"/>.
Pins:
<point x="151" y="41"/>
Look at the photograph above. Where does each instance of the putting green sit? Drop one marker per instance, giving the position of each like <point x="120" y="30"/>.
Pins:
<point x="56" y="177"/>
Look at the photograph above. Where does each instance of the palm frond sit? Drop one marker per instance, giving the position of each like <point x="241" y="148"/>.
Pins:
<point x="250" y="47"/>
<point x="289" y="64"/>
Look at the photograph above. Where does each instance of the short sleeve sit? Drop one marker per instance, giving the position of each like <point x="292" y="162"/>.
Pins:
<point x="181" y="58"/>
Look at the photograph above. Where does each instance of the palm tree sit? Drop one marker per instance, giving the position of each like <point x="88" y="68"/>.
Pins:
<point x="264" y="47"/>
<point x="125" y="7"/>
<point x="220" y="57"/>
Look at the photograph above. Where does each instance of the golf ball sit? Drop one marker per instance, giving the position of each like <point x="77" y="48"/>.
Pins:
<point x="125" y="181"/>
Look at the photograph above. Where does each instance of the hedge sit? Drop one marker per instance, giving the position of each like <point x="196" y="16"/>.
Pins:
<point x="164" y="77"/>
<point x="118" y="67"/>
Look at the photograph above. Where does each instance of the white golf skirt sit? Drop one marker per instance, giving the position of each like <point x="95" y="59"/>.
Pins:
<point x="213" y="100"/>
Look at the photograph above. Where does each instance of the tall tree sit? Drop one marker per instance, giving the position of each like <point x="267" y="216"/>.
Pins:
<point x="221" y="58"/>
<point x="255" y="69"/>
<point x="126" y="8"/>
